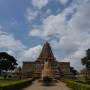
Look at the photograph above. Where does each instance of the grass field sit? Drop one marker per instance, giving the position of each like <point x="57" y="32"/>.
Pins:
<point x="83" y="82"/>
<point x="7" y="81"/>
<point x="81" y="79"/>
<point x="18" y="84"/>
<point x="11" y="82"/>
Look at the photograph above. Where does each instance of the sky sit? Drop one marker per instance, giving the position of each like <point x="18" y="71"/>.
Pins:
<point x="26" y="24"/>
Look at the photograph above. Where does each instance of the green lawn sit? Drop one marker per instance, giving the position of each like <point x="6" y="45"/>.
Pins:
<point x="10" y="81"/>
<point x="4" y="82"/>
<point x="81" y="79"/>
<point x="1" y="77"/>
<point x="14" y="84"/>
<point x="83" y="82"/>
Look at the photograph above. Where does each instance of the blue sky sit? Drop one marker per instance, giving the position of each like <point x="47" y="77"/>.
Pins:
<point x="26" y="24"/>
<point x="13" y="19"/>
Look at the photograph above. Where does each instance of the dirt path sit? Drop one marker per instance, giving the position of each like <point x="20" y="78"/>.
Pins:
<point x="38" y="86"/>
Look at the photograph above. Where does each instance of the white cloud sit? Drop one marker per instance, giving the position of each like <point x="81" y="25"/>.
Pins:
<point x="31" y="53"/>
<point x="81" y="21"/>
<point x="67" y="44"/>
<point x="48" y="11"/>
<point x="35" y="32"/>
<point x="63" y="1"/>
<point x="9" y="42"/>
<point x="39" y="3"/>
<point x="73" y="35"/>
<point x="12" y="46"/>
<point x="34" y="14"/>
<point x="11" y="52"/>
<point x="31" y="14"/>
<point x="75" y="59"/>
<point x="50" y="27"/>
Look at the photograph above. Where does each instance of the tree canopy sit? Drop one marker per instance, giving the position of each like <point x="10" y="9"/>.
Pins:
<point x="73" y="71"/>
<point x="86" y="60"/>
<point x="7" y="62"/>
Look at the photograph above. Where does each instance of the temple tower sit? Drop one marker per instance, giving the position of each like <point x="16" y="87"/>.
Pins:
<point x="46" y="64"/>
<point x="46" y="54"/>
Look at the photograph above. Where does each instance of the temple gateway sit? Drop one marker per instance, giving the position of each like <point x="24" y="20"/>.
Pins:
<point x="54" y="68"/>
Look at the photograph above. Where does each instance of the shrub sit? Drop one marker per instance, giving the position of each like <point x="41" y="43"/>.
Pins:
<point x="16" y="85"/>
<point x="77" y="86"/>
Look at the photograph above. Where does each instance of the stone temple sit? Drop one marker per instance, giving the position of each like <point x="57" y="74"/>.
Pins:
<point x="57" y="69"/>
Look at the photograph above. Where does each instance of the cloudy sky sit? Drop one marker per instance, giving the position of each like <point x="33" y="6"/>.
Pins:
<point x="26" y="24"/>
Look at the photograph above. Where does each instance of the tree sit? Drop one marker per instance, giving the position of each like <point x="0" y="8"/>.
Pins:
<point x="7" y="62"/>
<point x="86" y="60"/>
<point x="73" y="71"/>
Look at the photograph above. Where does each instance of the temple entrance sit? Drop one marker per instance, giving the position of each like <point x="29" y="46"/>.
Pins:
<point x="47" y="75"/>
